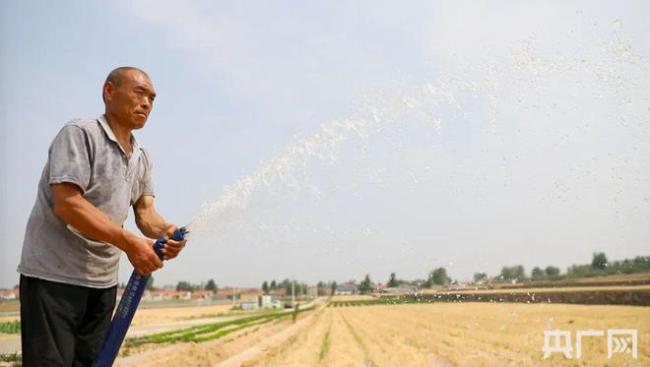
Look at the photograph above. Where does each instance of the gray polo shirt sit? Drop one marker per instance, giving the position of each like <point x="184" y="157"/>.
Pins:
<point x="86" y="153"/>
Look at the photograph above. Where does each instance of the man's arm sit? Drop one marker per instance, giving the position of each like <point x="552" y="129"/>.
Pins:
<point x="74" y="209"/>
<point x="153" y="225"/>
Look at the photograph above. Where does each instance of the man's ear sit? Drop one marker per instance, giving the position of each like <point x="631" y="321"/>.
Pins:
<point x="107" y="90"/>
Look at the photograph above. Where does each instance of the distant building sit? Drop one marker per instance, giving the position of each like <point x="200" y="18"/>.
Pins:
<point x="202" y="294"/>
<point x="160" y="295"/>
<point x="402" y="289"/>
<point x="241" y="293"/>
<point x="312" y="291"/>
<point x="280" y="292"/>
<point x="249" y="305"/>
<point x="9" y="294"/>
<point x="156" y="295"/>
<point x="346" y="289"/>
<point x="266" y="301"/>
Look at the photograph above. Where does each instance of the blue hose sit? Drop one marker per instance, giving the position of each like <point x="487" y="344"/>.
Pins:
<point x="127" y="307"/>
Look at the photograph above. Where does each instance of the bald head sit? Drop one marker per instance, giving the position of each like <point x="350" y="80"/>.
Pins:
<point x="117" y="75"/>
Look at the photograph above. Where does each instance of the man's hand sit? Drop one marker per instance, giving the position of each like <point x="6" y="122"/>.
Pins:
<point x="153" y="225"/>
<point x="172" y="248"/>
<point x="142" y="255"/>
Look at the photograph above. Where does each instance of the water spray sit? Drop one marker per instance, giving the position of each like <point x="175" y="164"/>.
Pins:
<point x="128" y="305"/>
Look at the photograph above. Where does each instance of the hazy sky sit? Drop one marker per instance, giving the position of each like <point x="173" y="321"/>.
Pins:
<point x="327" y="140"/>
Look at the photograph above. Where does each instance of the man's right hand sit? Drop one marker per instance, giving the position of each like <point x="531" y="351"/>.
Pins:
<point x="75" y="210"/>
<point x="142" y="255"/>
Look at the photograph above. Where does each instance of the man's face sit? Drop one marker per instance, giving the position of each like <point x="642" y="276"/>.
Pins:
<point x="132" y="100"/>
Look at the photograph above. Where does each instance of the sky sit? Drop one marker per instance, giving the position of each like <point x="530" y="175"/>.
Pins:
<point x="330" y="140"/>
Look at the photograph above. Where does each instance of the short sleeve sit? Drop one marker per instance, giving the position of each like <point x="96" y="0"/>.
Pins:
<point x="70" y="158"/>
<point x="146" y="180"/>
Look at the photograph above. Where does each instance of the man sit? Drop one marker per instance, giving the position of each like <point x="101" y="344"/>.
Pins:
<point x="95" y="171"/>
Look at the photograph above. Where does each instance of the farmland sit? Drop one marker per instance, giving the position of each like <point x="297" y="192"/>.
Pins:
<point x="455" y="334"/>
<point x="440" y="328"/>
<point x="355" y="333"/>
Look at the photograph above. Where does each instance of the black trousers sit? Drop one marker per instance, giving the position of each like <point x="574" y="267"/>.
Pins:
<point x="62" y="324"/>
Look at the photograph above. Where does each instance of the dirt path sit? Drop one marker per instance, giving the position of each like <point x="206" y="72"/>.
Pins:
<point x="275" y="343"/>
<point x="166" y="315"/>
<point x="202" y="354"/>
<point x="9" y="343"/>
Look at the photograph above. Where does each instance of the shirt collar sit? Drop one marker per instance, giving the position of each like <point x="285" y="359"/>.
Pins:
<point x="111" y="136"/>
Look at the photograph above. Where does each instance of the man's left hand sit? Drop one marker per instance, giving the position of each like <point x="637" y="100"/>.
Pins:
<point x="172" y="248"/>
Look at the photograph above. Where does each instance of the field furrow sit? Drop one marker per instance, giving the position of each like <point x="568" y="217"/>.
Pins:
<point x="301" y="349"/>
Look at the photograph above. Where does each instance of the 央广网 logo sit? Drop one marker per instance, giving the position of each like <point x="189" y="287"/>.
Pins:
<point x="622" y="341"/>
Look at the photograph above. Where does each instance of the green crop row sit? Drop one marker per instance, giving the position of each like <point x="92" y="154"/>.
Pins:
<point x="11" y="327"/>
<point x="370" y="302"/>
<point x="380" y="301"/>
<point x="206" y="332"/>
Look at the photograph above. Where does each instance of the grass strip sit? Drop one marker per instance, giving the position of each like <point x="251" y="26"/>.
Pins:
<point x="202" y="333"/>
<point x="187" y="334"/>
<point x="10" y="327"/>
<point x="325" y="344"/>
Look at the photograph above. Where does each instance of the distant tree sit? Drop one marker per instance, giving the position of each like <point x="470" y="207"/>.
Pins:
<point x="274" y="285"/>
<point x="513" y="272"/>
<point x="480" y="277"/>
<point x="184" y="286"/>
<point x="286" y="284"/>
<point x="552" y="271"/>
<point x="149" y="285"/>
<point x="577" y="271"/>
<point x="211" y="286"/>
<point x="520" y="272"/>
<point x="366" y="285"/>
<point x="537" y="273"/>
<point x="439" y="277"/>
<point x="265" y="287"/>
<point x="333" y="288"/>
<point x="638" y="264"/>
<point x="600" y="265"/>
<point x="429" y="282"/>
<point x="392" y="281"/>
<point x="599" y="261"/>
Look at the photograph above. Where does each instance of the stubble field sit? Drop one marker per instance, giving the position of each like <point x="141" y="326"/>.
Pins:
<point x="439" y="334"/>
<point x="472" y="334"/>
